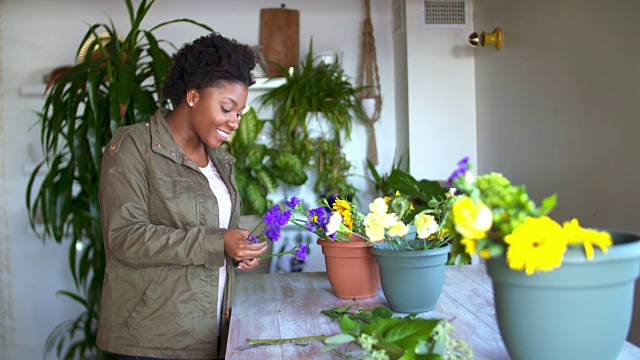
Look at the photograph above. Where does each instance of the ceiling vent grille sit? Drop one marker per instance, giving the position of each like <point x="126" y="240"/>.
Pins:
<point x="445" y="14"/>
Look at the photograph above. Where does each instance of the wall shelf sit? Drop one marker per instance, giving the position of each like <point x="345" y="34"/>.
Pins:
<point x="37" y="90"/>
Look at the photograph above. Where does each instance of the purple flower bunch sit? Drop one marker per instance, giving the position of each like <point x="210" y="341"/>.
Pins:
<point x="316" y="220"/>
<point x="461" y="170"/>
<point x="275" y="218"/>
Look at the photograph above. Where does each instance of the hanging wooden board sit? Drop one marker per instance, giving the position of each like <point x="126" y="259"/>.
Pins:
<point x="280" y="38"/>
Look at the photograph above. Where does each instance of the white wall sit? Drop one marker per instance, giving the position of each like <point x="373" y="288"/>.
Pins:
<point x="38" y="35"/>
<point x="441" y="96"/>
<point x="557" y="108"/>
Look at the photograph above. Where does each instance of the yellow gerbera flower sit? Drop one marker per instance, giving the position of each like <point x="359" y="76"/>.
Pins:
<point x="343" y="207"/>
<point x="538" y="244"/>
<point x="587" y="237"/>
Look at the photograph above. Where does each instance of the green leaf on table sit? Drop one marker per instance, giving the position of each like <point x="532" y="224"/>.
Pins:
<point x="349" y="326"/>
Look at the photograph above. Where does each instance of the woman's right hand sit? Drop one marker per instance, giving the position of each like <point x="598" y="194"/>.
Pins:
<point x="239" y="248"/>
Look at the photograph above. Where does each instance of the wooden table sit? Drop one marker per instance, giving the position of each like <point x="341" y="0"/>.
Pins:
<point x="272" y="306"/>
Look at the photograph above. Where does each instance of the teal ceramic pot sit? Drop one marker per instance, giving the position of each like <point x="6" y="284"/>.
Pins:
<point x="581" y="310"/>
<point x="411" y="280"/>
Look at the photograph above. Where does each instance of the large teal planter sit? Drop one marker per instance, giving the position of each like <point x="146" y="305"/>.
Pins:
<point x="411" y="280"/>
<point x="581" y="310"/>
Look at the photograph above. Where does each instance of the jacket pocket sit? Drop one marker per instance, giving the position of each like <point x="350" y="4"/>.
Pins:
<point x="145" y="306"/>
<point x="173" y="201"/>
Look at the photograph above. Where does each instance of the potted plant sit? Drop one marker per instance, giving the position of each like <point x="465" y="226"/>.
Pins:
<point x="351" y="269"/>
<point x="319" y="94"/>
<point x="333" y="171"/>
<point x="259" y="168"/>
<point x="411" y="264"/>
<point x="555" y="296"/>
<point x="118" y="83"/>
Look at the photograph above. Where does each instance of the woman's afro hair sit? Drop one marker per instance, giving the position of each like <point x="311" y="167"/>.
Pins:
<point x="209" y="61"/>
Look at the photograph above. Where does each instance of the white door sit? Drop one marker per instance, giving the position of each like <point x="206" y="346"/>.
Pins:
<point x="557" y="107"/>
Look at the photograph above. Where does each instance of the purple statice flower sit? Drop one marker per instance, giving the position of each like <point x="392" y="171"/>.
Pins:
<point x="463" y="167"/>
<point x="272" y="233"/>
<point x="301" y="253"/>
<point x="253" y="239"/>
<point x="318" y="219"/>
<point x="464" y="162"/>
<point x="272" y="217"/>
<point x="284" y="217"/>
<point x="293" y="202"/>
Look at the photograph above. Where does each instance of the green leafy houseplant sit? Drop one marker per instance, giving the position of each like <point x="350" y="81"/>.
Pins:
<point x="118" y="83"/>
<point x="258" y="167"/>
<point x="321" y="89"/>
<point x="379" y="181"/>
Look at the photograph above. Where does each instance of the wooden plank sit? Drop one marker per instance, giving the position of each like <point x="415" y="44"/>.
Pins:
<point x="280" y="39"/>
<point x="476" y="273"/>
<point x="254" y="315"/>
<point x="484" y="341"/>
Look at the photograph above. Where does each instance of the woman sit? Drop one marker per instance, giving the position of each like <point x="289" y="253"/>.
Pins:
<point x="170" y="208"/>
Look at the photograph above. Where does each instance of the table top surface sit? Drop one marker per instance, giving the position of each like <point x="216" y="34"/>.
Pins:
<point x="272" y="306"/>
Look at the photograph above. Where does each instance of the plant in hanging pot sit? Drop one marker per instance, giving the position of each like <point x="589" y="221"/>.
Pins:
<point x="556" y="296"/>
<point x="351" y="268"/>
<point x="313" y="114"/>
<point x="411" y="263"/>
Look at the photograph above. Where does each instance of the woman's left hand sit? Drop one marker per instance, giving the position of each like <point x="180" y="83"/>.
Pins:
<point x="247" y="264"/>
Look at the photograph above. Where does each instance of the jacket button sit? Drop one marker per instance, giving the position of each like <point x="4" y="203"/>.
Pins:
<point x="159" y="145"/>
<point x="173" y="153"/>
<point x="112" y="147"/>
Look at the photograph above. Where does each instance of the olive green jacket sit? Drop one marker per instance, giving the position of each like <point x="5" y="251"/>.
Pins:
<point x="163" y="246"/>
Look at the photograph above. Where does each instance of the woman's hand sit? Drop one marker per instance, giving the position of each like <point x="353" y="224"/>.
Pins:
<point x="239" y="248"/>
<point x="248" y="264"/>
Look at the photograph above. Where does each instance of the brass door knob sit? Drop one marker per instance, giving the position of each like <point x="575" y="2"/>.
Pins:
<point x="494" y="38"/>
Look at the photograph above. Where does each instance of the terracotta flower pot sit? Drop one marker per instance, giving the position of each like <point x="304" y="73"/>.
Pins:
<point x="352" y="270"/>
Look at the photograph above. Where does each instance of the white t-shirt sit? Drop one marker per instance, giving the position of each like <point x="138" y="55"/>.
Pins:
<point x="219" y="189"/>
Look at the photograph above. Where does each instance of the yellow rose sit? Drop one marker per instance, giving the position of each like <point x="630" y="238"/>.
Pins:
<point x="384" y="221"/>
<point x="378" y="206"/>
<point x="471" y="220"/>
<point x="374" y="233"/>
<point x="398" y="229"/>
<point x="425" y="225"/>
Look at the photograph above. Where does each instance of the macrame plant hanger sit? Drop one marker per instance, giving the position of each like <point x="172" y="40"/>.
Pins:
<point x="369" y="77"/>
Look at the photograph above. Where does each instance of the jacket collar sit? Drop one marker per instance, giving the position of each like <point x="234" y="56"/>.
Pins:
<point x="163" y="143"/>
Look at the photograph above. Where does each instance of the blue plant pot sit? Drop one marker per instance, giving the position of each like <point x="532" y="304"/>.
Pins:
<point x="411" y="280"/>
<point x="581" y="310"/>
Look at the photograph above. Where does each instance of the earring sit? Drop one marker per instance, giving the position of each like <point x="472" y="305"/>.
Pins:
<point x="191" y="104"/>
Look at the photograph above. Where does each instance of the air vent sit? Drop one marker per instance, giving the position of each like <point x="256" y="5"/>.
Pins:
<point x="445" y="13"/>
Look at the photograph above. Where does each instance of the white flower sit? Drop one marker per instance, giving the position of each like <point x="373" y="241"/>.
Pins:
<point x="398" y="229"/>
<point x="425" y="225"/>
<point x="378" y="206"/>
<point x="469" y="178"/>
<point x="334" y="223"/>
<point x="451" y="192"/>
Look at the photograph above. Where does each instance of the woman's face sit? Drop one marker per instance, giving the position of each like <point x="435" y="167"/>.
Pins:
<point x="216" y="112"/>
